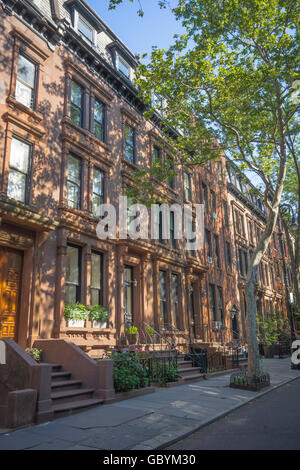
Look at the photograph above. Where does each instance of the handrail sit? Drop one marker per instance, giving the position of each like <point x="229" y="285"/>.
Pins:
<point x="159" y="335"/>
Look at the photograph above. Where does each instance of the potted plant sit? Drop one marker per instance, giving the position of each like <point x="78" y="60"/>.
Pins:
<point x="132" y="333"/>
<point x="150" y="331"/>
<point x="98" y="316"/>
<point x="35" y="353"/>
<point x="76" y="314"/>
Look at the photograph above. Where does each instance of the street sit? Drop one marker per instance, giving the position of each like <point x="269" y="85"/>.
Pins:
<point x="269" y="423"/>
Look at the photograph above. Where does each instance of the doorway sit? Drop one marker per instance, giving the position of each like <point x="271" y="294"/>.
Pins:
<point x="10" y="285"/>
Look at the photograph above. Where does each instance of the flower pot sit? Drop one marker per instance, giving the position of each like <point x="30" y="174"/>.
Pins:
<point x="99" y="324"/>
<point x="76" y="323"/>
<point x="132" y="339"/>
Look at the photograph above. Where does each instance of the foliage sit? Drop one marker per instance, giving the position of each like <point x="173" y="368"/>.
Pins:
<point x="129" y="374"/>
<point x="150" y="331"/>
<point x="272" y="328"/>
<point x="132" y="330"/>
<point x="98" y="313"/>
<point x="35" y="353"/>
<point x="76" y="311"/>
<point x="164" y="372"/>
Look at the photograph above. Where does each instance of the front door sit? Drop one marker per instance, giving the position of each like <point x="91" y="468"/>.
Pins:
<point x="10" y="284"/>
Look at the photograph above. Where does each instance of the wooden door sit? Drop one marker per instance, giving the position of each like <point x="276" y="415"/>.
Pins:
<point x="10" y="285"/>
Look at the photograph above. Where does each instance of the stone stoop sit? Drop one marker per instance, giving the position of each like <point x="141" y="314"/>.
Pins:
<point x="187" y="372"/>
<point x="67" y="395"/>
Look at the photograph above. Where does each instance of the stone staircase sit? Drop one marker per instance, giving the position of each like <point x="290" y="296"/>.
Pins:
<point x="68" y="395"/>
<point x="188" y="372"/>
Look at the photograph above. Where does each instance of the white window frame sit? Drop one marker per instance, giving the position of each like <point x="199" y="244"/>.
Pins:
<point x="125" y="63"/>
<point x="77" y="17"/>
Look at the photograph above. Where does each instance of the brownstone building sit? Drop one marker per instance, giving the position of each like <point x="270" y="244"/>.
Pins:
<point x="72" y="136"/>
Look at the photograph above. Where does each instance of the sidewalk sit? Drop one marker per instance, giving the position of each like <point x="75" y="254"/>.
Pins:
<point x="148" y="422"/>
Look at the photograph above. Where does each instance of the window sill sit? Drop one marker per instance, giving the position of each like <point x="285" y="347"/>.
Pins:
<point x="11" y="100"/>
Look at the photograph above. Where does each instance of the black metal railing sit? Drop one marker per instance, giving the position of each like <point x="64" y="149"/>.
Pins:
<point x="148" y="370"/>
<point x="213" y="361"/>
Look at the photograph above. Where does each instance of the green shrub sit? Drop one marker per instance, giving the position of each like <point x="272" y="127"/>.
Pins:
<point x="164" y="372"/>
<point x="98" y="313"/>
<point x="132" y="330"/>
<point x="76" y="311"/>
<point x="129" y="374"/>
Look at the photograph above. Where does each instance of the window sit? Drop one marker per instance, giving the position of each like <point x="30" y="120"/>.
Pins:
<point x="175" y="299"/>
<point x="18" y="178"/>
<point x="124" y="68"/>
<point x="208" y="243"/>
<point x="97" y="279"/>
<point x="172" y="230"/>
<point x="239" y="223"/>
<point x="228" y="256"/>
<point x="243" y="262"/>
<point x="171" y="177"/>
<point x="76" y="103"/>
<point x="74" y="182"/>
<point x="85" y="29"/>
<point x="220" y="304"/>
<point x="212" y="302"/>
<point x="217" y="252"/>
<point x="98" y="191"/>
<point x="225" y="214"/>
<point x="163" y="318"/>
<point x="26" y="82"/>
<point x="213" y="205"/>
<point x="187" y="187"/>
<point x="99" y="113"/>
<point x="129" y="143"/>
<point x="73" y="274"/>
<point x="251" y="237"/>
<point x="156" y="154"/>
<point x="204" y="197"/>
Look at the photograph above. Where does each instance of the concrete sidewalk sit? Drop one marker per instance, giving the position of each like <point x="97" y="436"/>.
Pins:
<point x="148" y="422"/>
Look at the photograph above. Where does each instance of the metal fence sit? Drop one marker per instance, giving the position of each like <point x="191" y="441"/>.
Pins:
<point x="215" y="361"/>
<point x="152" y="369"/>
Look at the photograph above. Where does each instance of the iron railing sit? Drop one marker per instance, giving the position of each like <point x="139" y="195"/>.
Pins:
<point x="156" y="369"/>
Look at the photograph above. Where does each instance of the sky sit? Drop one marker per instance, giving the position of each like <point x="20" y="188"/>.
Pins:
<point x="155" y="28"/>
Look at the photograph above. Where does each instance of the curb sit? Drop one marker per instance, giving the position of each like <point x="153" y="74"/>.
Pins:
<point x="164" y="440"/>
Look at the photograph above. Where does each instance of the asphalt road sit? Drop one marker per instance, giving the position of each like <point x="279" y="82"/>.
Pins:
<point x="271" y="422"/>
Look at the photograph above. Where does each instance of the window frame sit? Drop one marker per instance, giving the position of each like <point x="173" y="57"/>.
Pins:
<point x="94" y="194"/>
<point x="79" y="265"/>
<point x="34" y="88"/>
<point x="28" y="175"/>
<point x="73" y="105"/>
<point x="79" y="205"/>
<point x="127" y="125"/>
<point x="101" y="288"/>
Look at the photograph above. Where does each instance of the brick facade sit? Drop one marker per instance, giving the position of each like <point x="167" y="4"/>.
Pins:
<point x="43" y="226"/>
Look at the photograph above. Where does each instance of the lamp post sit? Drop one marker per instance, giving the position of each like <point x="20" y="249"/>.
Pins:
<point x="289" y="208"/>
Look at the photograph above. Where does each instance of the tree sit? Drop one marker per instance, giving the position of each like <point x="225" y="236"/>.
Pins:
<point x="229" y="79"/>
<point x="291" y="195"/>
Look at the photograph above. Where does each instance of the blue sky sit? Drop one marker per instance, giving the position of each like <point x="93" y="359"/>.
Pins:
<point x="155" y="28"/>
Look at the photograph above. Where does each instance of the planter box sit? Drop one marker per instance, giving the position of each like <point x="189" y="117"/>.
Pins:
<point x="99" y="324"/>
<point x="76" y="323"/>
<point x="169" y="384"/>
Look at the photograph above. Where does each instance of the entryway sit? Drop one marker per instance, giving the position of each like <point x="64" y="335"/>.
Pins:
<point x="10" y="286"/>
